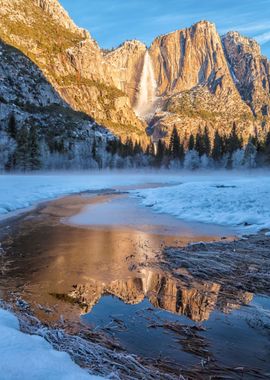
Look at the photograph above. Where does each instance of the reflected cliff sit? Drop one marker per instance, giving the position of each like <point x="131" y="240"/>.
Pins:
<point x="194" y="300"/>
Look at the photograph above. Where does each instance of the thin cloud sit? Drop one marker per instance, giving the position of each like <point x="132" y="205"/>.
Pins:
<point x="263" y="38"/>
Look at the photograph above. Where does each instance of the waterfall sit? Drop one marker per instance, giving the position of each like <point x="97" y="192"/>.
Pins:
<point x="147" y="90"/>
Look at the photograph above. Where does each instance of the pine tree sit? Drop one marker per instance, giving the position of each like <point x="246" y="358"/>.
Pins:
<point x="137" y="148"/>
<point x="112" y="146"/>
<point x="206" y="141"/>
<point x="175" y="149"/>
<point x="217" y="147"/>
<point x="128" y="148"/>
<point x="160" y="153"/>
<point x="22" y="156"/>
<point x="234" y="142"/>
<point x="191" y="142"/>
<point x="120" y="147"/>
<point x="199" y="144"/>
<point x="94" y="149"/>
<point x="12" y="129"/>
<point x="34" y="151"/>
<point x="250" y="154"/>
<point x="267" y="148"/>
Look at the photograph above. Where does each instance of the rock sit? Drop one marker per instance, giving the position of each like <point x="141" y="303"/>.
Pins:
<point x="201" y="79"/>
<point x="250" y="70"/>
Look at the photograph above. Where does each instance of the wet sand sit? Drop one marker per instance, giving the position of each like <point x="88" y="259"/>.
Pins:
<point x="99" y="262"/>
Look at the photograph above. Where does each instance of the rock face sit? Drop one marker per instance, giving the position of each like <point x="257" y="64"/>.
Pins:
<point x="71" y="60"/>
<point x="191" y="57"/>
<point x="195" y="83"/>
<point x="58" y="14"/>
<point x="126" y="65"/>
<point x="196" y="300"/>
<point x="250" y="70"/>
<point x="26" y="94"/>
<point x="200" y="79"/>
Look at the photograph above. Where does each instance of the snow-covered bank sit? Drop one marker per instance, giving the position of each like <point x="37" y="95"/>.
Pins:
<point x="239" y="200"/>
<point x="22" y="191"/>
<point x="30" y="357"/>
<point x="229" y="199"/>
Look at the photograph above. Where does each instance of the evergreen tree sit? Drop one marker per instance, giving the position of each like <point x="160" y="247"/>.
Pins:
<point x="217" y="147"/>
<point x="175" y="148"/>
<point x="22" y="156"/>
<point x="199" y="144"/>
<point x="112" y="146"/>
<point x="128" y="148"/>
<point x="233" y="142"/>
<point x="34" y="151"/>
<point x="249" y="159"/>
<point x="267" y="148"/>
<point x="137" y="148"/>
<point x="206" y="141"/>
<point x="12" y="128"/>
<point x="191" y="142"/>
<point x="160" y="153"/>
<point x="94" y="149"/>
<point x="11" y="162"/>
<point x="120" y="147"/>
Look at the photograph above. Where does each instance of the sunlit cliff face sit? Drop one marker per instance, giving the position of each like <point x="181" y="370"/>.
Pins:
<point x="196" y="300"/>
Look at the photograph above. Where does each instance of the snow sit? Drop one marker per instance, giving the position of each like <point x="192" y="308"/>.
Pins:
<point x="239" y="201"/>
<point x="31" y="357"/>
<point x="23" y="191"/>
<point x="235" y="199"/>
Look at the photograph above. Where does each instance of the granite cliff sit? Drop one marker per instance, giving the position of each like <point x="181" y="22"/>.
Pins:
<point x="189" y="78"/>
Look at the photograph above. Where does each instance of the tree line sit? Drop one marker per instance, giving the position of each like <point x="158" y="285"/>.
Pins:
<point x="187" y="152"/>
<point x="222" y="148"/>
<point x="26" y="155"/>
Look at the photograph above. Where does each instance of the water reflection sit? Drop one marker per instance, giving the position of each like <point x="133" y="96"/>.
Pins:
<point x="84" y="264"/>
<point x="194" y="300"/>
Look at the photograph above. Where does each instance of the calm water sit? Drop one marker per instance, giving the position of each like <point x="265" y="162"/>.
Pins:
<point x="98" y="257"/>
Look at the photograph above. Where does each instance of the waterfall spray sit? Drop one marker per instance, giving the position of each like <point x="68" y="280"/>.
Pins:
<point x="147" y="89"/>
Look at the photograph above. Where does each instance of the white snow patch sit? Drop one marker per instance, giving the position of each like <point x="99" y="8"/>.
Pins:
<point x="242" y="202"/>
<point x="31" y="357"/>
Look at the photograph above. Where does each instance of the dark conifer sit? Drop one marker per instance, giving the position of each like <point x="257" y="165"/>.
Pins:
<point x="175" y="146"/>
<point x="267" y="148"/>
<point x="234" y="142"/>
<point x="137" y="148"/>
<point x="22" y="156"/>
<point x="199" y="144"/>
<point x="206" y="141"/>
<point x="94" y="149"/>
<point x="160" y="153"/>
<point x="34" y="151"/>
<point x="191" y="142"/>
<point x="217" y="147"/>
<point x="12" y="128"/>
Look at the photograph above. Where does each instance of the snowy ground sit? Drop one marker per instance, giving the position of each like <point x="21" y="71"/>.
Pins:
<point x="230" y="199"/>
<point x="240" y="201"/>
<point x="22" y="191"/>
<point x="30" y="357"/>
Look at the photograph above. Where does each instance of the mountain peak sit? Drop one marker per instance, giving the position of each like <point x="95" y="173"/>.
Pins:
<point x="204" y="24"/>
<point x="59" y="14"/>
<point x="247" y="43"/>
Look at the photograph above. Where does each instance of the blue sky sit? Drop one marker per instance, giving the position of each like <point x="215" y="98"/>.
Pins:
<point x="112" y="21"/>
